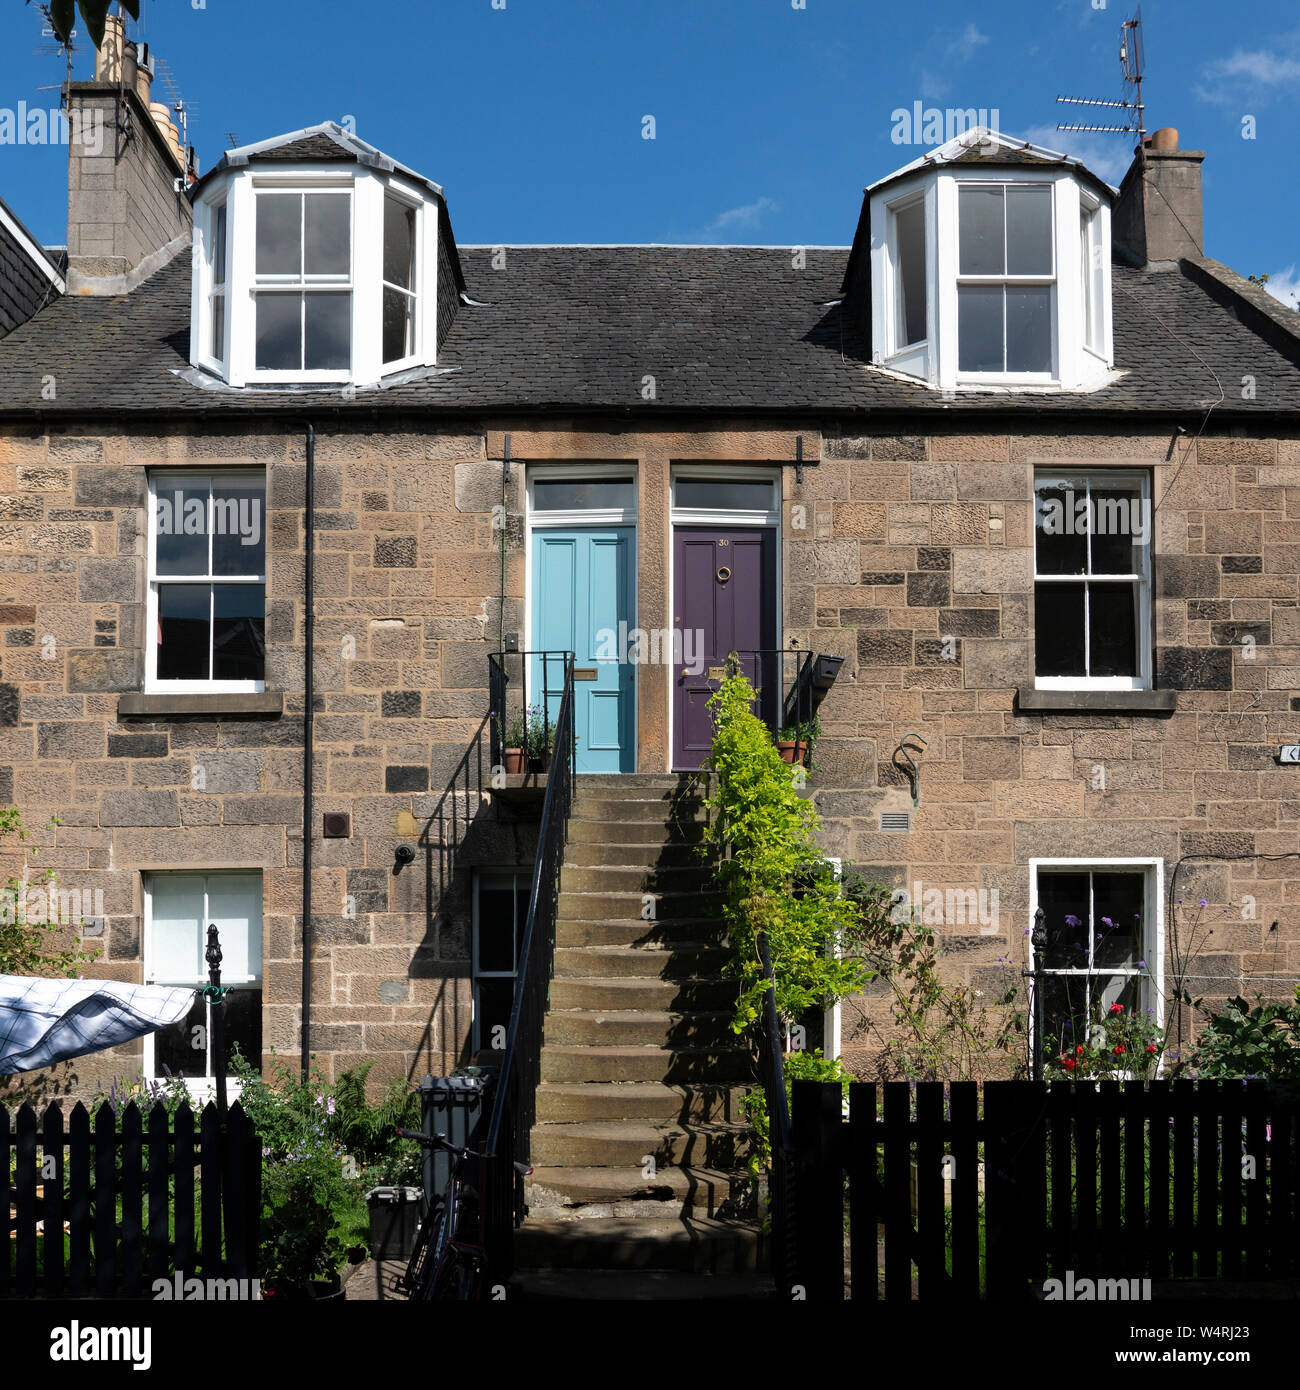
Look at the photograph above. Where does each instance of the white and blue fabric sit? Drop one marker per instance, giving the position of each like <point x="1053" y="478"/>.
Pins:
<point x="48" y="1021"/>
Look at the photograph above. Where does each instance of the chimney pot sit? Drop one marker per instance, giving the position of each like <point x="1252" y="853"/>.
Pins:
<point x="1157" y="217"/>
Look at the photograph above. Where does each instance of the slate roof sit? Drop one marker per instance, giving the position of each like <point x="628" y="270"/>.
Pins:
<point x="26" y="284"/>
<point x="724" y="330"/>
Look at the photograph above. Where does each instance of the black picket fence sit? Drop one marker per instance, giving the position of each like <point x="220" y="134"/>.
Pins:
<point x="106" y="1208"/>
<point x="943" y="1193"/>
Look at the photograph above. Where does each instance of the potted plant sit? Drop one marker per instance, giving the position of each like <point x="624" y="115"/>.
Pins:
<point x="787" y="740"/>
<point x="801" y="736"/>
<point x="541" y="738"/>
<point x="515" y="741"/>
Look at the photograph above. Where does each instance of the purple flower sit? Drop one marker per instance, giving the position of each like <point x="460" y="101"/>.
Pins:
<point x="1072" y="921"/>
<point x="329" y="1106"/>
<point x="1106" y="922"/>
<point x="1142" y="965"/>
<point x="1204" y="902"/>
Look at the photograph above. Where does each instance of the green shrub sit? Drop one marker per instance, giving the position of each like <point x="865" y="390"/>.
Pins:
<point x="1261" y="1040"/>
<point x="772" y="873"/>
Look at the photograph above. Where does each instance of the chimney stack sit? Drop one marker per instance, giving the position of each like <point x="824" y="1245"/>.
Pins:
<point x="127" y="210"/>
<point x="1157" y="219"/>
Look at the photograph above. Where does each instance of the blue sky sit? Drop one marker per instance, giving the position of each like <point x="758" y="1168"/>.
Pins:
<point x="768" y="119"/>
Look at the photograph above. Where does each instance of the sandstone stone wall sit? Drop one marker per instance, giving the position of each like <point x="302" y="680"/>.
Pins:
<point x="891" y="544"/>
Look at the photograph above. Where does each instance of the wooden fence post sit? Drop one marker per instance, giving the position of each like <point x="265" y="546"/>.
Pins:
<point x="815" y="1132"/>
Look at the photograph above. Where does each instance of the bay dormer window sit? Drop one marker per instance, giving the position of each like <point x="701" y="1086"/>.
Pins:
<point x="990" y="272"/>
<point x="306" y="275"/>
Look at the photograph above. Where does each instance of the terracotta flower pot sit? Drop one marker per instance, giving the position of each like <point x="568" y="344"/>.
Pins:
<point x="787" y="747"/>
<point x="514" y="760"/>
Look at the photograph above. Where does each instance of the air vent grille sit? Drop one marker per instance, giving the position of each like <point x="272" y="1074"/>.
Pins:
<point x="896" y="820"/>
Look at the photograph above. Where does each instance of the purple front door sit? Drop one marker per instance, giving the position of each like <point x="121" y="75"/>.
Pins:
<point x="724" y="600"/>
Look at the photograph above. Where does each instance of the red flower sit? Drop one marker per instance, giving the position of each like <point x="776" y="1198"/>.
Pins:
<point x="1117" y="1008"/>
<point x="1068" y="1063"/>
<point x="1151" y="1047"/>
<point x="1078" y="1051"/>
<point x="1119" y="1050"/>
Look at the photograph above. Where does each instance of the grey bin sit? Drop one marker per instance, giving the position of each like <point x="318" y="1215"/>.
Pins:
<point x="459" y="1106"/>
<point x="394" y="1220"/>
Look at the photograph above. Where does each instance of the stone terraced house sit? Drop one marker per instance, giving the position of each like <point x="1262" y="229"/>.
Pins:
<point x="332" y="425"/>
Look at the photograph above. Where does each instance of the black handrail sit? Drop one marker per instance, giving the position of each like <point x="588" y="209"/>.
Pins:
<point x="515" y="1102"/>
<point x="460" y="803"/>
<point x="500" y="679"/>
<point x="782" y="1173"/>
<point x="796" y="702"/>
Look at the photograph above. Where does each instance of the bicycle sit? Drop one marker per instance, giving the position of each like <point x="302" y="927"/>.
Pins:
<point x="449" y="1255"/>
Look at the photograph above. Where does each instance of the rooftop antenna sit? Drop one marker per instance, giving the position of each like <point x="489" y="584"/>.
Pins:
<point x="184" y="109"/>
<point x="1130" y="63"/>
<point x="50" y="47"/>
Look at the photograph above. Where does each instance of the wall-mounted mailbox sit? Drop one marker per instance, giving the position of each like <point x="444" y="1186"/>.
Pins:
<point x="825" y="669"/>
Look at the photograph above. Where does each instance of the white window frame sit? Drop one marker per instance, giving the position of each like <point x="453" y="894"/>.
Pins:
<point x="1153" y="927"/>
<point x="1143" y="679"/>
<point x="897" y="346"/>
<point x="1094" y="277"/>
<point x="416" y="293"/>
<point x="152" y="684"/>
<point x="239" y="189"/>
<point x="261" y="286"/>
<point x="204" y="1089"/>
<point x="1075" y="365"/>
<point x="1008" y="281"/>
<point x="522" y="883"/>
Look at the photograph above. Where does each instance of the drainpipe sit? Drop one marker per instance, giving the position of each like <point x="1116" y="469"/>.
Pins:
<point x="309" y="723"/>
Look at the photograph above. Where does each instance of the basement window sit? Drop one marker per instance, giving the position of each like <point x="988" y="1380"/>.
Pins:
<point x="1104" y="947"/>
<point x="500" y="915"/>
<point x="178" y="909"/>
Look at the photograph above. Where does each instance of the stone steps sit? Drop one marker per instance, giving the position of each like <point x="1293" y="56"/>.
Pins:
<point x="561" y="1102"/>
<point x="639" y="1146"/>
<point x="637" y="1028"/>
<point x="696" y="1245"/>
<point x="630" y="992"/>
<point x="694" y="1065"/>
<point x="635" y="1144"/>
<point x="652" y="960"/>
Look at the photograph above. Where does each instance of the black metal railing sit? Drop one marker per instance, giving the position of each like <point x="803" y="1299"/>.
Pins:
<point x="515" y="1103"/>
<point x="782" y="681"/>
<point x="518" y="722"/>
<point x="781" y="1174"/>
<point x="449" y="826"/>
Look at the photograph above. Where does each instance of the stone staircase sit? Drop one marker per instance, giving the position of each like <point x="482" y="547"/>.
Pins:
<point x="639" y="1148"/>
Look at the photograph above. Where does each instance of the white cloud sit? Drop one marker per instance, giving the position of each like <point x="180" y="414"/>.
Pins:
<point x="1108" y="156"/>
<point x="933" y="87"/>
<point x="964" y="46"/>
<point x="744" y="218"/>
<point x="1284" y="285"/>
<point x="1252" y="73"/>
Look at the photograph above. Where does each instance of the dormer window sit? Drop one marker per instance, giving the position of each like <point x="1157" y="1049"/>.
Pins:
<point x="302" y="282"/>
<point x="307" y="274"/>
<point x="1005" y="279"/>
<point x="992" y="271"/>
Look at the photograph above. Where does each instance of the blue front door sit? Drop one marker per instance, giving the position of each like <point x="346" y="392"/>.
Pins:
<point x="584" y="582"/>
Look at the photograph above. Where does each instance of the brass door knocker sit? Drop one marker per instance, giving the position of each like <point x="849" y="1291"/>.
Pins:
<point x="723" y="574"/>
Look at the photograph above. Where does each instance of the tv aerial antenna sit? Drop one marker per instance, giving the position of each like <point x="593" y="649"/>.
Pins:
<point x="50" y="47"/>
<point x="183" y="109"/>
<point x="1131" y="61"/>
